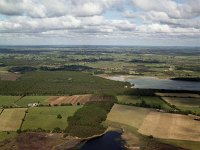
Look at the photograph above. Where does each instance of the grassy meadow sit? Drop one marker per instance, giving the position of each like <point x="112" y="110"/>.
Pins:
<point x="8" y="100"/>
<point x="24" y="101"/>
<point x="46" y="117"/>
<point x="152" y="101"/>
<point x="185" y="104"/>
<point x="7" y="135"/>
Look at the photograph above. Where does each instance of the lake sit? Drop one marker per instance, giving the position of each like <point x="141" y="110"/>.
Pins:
<point x="109" y="141"/>
<point x="156" y="83"/>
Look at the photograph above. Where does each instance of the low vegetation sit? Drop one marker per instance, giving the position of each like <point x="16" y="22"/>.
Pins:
<point x="48" y="118"/>
<point x="24" y="101"/>
<point x="8" y="101"/>
<point x="144" y="101"/>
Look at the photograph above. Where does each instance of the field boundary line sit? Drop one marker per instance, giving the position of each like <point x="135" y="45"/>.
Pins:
<point x="1" y="111"/>
<point x="23" y="119"/>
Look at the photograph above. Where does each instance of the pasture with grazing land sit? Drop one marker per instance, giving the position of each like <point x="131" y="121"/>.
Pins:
<point x="192" y="104"/>
<point x="171" y="126"/>
<point x="32" y="99"/>
<point x="5" y="135"/>
<point x="8" y="100"/>
<point x="129" y="115"/>
<point x="151" y="101"/>
<point x="11" y="119"/>
<point x="183" y="102"/>
<point x="183" y="95"/>
<point x="46" y="117"/>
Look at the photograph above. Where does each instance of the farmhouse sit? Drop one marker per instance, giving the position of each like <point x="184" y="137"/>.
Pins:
<point x="33" y="104"/>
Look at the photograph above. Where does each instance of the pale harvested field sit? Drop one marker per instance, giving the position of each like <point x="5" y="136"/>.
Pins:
<point x="11" y="119"/>
<point x="178" y="95"/>
<point x="183" y="102"/>
<point x="82" y="99"/>
<point x="171" y="126"/>
<point x="129" y="115"/>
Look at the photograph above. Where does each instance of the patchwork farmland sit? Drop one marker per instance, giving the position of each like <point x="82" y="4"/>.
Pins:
<point x="158" y="124"/>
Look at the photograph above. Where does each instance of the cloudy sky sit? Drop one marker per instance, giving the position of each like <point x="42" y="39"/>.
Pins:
<point x="97" y="22"/>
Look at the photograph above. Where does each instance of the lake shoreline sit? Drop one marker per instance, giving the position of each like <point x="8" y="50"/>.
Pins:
<point x="155" y="83"/>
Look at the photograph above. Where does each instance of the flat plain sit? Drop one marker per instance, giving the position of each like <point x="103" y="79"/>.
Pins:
<point x="8" y="100"/>
<point x="46" y="117"/>
<point x="171" y="126"/>
<point x="11" y="119"/>
<point x="129" y="115"/>
<point x="32" y="99"/>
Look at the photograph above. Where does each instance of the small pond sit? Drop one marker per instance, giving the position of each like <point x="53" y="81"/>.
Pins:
<point x="109" y="141"/>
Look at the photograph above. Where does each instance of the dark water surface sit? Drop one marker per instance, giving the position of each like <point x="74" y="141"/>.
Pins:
<point x="109" y="141"/>
<point x="155" y="83"/>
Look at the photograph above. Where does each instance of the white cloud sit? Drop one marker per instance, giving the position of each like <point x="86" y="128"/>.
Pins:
<point x="100" y="19"/>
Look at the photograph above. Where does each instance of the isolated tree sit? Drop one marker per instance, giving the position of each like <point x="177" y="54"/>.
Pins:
<point x="59" y="116"/>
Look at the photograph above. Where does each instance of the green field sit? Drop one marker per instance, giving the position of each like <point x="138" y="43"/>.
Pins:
<point x="191" y="145"/>
<point x="59" y="83"/>
<point x="11" y="119"/>
<point x="8" y="100"/>
<point x="126" y="99"/>
<point x="192" y="104"/>
<point x="183" y="102"/>
<point x="150" y="100"/>
<point x="7" y="135"/>
<point x="46" y="117"/>
<point x="32" y="99"/>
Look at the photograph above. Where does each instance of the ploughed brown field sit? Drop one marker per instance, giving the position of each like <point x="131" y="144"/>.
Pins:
<point x="75" y="99"/>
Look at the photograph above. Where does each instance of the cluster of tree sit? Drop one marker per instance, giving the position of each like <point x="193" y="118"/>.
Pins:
<point x="66" y="68"/>
<point x="145" y="61"/>
<point x="87" y="120"/>
<point x="22" y="69"/>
